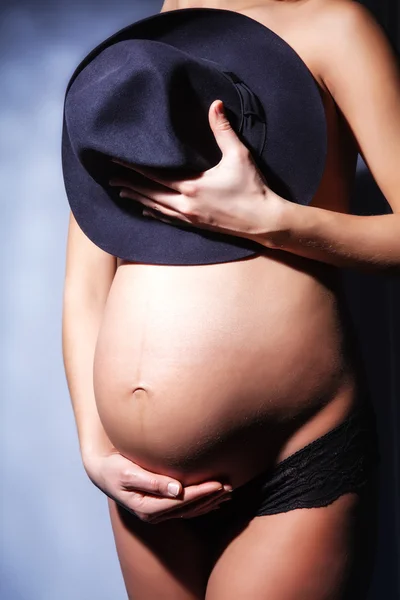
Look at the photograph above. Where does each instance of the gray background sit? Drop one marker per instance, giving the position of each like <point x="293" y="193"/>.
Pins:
<point x="56" y="541"/>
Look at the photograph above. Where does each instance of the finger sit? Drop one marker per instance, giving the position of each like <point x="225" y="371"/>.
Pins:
<point x="195" y="505"/>
<point x="197" y="509"/>
<point x="224" y="134"/>
<point x="155" y="505"/>
<point x="192" y="509"/>
<point x="152" y="203"/>
<point x="159" y="217"/>
<point x="206" y="504"/>
<point x="205" y="510"/>
<point x="152" y="174"/>
<point x="138" y="479"/>
<point x="145" y="186"/>
<point x="182" y="222"/>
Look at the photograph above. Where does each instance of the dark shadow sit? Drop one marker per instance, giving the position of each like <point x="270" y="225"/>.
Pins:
<point x="371" y="298"/>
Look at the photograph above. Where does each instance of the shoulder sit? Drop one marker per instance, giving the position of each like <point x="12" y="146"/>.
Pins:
<point x="348" y="36"/>
<point x="325" y="33"/>
<point x="343" y="17"/>
<point x="343" y="12"/>
<point x="360" y="68"/>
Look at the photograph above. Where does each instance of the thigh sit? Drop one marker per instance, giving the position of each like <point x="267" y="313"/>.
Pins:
<point x="165" y="561"/>
<point x="301" y="554"/>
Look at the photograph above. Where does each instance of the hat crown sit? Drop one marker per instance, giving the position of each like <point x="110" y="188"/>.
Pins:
<point x="149" y="96"/>
<point x="101" y="119"/>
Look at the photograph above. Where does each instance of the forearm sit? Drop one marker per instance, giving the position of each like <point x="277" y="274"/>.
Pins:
<point x="336" y="238"/>
<point x="81" y="322"/>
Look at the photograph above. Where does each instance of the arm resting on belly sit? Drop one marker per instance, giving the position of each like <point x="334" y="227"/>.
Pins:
<point x="88" y="278"/>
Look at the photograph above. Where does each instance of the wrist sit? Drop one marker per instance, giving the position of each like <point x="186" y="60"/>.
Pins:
<point x="276" y="223"/>
<point x="91" y="452"/>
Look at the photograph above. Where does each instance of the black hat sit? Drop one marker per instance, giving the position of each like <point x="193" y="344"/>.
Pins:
<point x="143" y="96"/>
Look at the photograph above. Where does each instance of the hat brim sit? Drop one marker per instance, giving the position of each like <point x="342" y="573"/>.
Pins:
<point x="295" y="149"/>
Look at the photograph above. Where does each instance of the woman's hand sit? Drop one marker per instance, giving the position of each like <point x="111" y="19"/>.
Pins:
<point x="146" y="494"/>
<point x="231" y="198"/>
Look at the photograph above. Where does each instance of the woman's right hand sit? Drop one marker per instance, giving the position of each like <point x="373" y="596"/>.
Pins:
<point x="151" y="497"/>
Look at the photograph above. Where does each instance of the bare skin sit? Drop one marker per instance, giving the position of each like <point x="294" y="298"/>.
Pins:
<point x="171" y="376"/>
<point x="158" y="343"/>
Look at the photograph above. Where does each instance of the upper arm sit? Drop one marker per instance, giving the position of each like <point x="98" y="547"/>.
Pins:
<point x="89" y="270"/>
<point x="361" y="71"/>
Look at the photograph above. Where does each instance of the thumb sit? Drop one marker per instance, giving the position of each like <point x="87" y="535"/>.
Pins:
<point x="225" y="136"/>
<point x="135" y="478"/>
<point x="174" y="488"/>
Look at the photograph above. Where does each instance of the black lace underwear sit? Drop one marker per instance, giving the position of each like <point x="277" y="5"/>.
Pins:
<point x="338" y="462"/>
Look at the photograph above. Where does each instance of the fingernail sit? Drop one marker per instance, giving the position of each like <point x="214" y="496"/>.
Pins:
<point x="173" y="489"/>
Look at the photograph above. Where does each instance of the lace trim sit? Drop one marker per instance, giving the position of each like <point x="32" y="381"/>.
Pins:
<point x="339" y="461"/>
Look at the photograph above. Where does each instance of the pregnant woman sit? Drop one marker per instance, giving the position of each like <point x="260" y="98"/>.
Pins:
<point x="231" y="381"/>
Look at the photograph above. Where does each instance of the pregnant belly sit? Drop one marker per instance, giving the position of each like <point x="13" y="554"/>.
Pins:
<point x="195" y="367"/>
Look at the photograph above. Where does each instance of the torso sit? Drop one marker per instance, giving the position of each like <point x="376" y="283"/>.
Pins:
<point x="220" y="370"/>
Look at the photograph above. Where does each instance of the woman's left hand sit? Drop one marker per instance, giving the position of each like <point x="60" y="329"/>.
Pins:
<point x="231" y="198"/>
